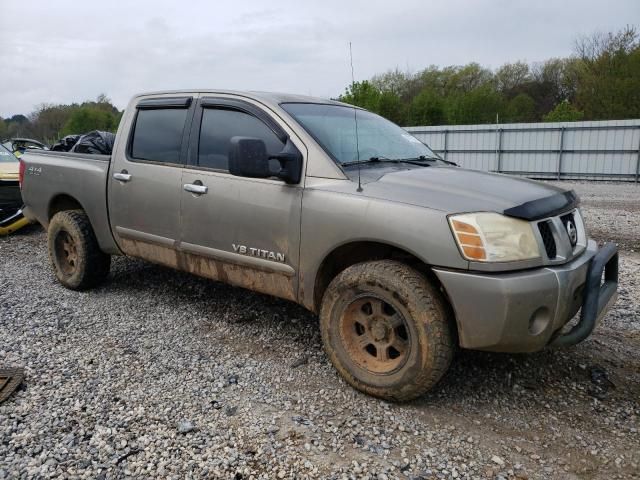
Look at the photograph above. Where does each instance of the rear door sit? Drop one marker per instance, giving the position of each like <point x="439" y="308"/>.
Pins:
<point x="145" y="186"/>
<point x="244" y="231"/>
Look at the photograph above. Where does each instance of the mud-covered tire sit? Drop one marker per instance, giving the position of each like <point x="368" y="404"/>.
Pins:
<point x="75" y="255"/>
<point x="387" y="330"/>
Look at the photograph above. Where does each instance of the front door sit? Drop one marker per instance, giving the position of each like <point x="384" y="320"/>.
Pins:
<point x="146" y="180"/>
<point x="244" y="231"/>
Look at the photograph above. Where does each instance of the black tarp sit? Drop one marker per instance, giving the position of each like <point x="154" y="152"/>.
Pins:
<point x="96" y="142"/>
<point x="65" y="144"/>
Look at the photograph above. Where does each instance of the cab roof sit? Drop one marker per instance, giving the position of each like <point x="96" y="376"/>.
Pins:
<point x="267" y="97"/>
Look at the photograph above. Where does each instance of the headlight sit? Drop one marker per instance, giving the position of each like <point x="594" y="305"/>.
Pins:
<point x="491" y="237"/>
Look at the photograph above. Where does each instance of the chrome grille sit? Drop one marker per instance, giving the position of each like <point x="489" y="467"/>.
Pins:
<point x="566" y="218"/>
<point x="553" y="236"/>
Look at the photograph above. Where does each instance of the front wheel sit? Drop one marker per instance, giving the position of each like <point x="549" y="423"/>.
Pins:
<point x="386" y="330"/>
<point x="75" y="255"/>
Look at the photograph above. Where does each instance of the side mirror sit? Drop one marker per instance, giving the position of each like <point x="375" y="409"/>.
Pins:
<point x="248" y="158"/>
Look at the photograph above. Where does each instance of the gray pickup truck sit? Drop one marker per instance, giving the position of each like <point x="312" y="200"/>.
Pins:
<point x="403" y="255"/>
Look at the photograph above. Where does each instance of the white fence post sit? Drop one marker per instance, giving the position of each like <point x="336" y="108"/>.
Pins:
<point x="446" y="137"/>
<point x="638" y="158"/>
<point x="499" y="151"/>
<point x="560" y="152"/>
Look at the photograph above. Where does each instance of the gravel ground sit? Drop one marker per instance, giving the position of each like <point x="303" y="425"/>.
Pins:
<point x="612" y="211"/>
<point x="161" y="374"/>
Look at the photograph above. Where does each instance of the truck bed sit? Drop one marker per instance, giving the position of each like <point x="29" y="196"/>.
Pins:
<point x="58" y="179"/>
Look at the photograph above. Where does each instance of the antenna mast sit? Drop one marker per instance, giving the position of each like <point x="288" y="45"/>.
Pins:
<point x="355" y="118"/>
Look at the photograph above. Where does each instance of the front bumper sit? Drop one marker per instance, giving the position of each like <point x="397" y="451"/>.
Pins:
<point x="525" y="311"/>
<point x="10" y="196"/>
<point x="13" y="222"/>
<point x="11" y="218"/>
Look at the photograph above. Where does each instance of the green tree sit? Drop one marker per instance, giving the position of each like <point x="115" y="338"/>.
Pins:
<point x="391" y="107"/>
<point x="609" y="77"/>
<point x="366" y="95"/>
<point x="4" y="130"/>
<point x="467" y="78"/>
<point x="18" y="126"/>
<point x="510" y="76"/>
<point x="564" y="112"/>
<point x="600" y="81"/>
<point x="521" y="108"/>
<point x="432" y="78"/>
<point x="362" y="94"/>
<point x="477" y="106"/>
<point x="427" y="108"/>
<point x="555" y="81"/>
<point x="89" y="117"/>
<point x="393" y="81"/>
<point x="47" y="121"/>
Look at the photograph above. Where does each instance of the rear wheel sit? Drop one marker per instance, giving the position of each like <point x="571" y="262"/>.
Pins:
<point x="386" y="330"/>
<point x="77" y="260"/>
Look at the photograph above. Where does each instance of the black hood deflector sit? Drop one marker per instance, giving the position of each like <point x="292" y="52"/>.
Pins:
<point x="545" y="207"/>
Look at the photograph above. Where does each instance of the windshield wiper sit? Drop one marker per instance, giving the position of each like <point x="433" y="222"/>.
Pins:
<point x="423" y="158"/>
<point x="369" y="160"/>
<point x="419" y="160"/>
<point x="380" y="159"/>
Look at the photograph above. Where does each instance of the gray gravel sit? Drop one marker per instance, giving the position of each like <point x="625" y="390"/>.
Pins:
<point x="612" y="211"/>
<point x="161" y="374"/>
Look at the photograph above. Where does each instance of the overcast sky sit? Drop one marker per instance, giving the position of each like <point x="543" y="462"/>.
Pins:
<point x="68" y="51"/>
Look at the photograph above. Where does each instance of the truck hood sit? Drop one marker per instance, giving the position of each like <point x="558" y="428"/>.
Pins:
<point x="451" y="189"/>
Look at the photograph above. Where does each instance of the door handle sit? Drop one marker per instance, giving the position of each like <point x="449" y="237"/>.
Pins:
<point x="122" y="176"/>
<point x="195" y="188"/>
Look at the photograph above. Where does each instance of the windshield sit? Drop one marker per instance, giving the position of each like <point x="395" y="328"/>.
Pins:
<point x="6" y="155"/>
<point x="334" y="128"/>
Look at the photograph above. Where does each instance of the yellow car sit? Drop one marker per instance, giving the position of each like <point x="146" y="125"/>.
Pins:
<point x="11" y="218"/>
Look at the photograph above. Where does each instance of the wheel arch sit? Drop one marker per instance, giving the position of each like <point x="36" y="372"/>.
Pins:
<point x="62" y="202"/>
<point x="99" y="221"/>
<point x="353" y="252"/>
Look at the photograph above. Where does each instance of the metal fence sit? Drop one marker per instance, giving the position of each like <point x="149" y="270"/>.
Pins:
<point x="606" y="150"/>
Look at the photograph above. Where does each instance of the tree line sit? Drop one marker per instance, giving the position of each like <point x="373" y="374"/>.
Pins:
<point x="49" y="123"/>
<point x="600" y="81"/>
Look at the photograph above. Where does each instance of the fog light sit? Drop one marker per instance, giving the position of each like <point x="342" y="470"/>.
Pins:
<point x="539" y="321"/>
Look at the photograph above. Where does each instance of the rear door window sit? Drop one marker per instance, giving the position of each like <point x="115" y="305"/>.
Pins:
<point x="158" y="134"/>
<point x="219" y="125"/>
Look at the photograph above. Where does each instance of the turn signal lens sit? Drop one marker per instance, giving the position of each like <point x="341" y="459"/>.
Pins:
<point x="469" y="240"/>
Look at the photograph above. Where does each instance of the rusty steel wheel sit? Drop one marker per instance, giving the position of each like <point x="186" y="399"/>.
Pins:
<point x="386" y="329"/>
<point x="375" y="334"/>
<point x="66" y="252"/>
<point x="75" y="254"/>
